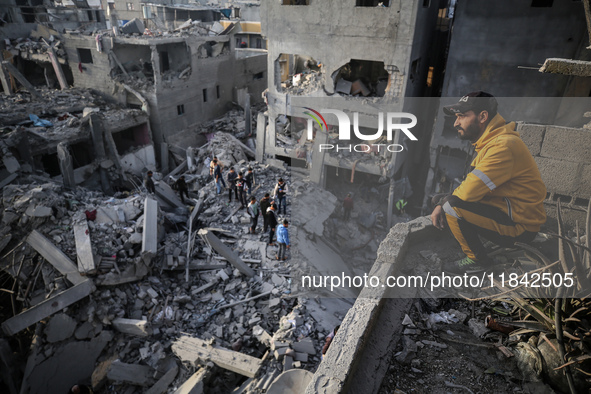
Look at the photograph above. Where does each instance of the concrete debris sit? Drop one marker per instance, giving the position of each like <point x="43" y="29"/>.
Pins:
<point x="196" y="351"/>
<point x="134" y="251"/>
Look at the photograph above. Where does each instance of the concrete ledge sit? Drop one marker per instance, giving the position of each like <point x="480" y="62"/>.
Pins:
<point x="336" y="372"/>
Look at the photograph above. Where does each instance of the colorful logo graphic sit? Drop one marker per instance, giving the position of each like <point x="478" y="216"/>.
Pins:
<point x="316" y="118"/>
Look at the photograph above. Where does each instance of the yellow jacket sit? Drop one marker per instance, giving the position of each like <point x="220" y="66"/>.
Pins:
<point x="506" y="176"/>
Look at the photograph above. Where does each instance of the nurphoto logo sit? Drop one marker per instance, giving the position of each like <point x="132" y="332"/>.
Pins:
<point x="394" y="121"/>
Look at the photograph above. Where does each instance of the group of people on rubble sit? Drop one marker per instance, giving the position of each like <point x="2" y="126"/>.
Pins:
<point x="241" y="186"/>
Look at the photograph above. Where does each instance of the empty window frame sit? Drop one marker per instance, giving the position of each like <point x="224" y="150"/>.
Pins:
<point x="217" y="91"/>
<point x="205" y="95"/>
<point x="84" y="55"/>
<point x="372" y="3"/>
<point x="180" y="109"/>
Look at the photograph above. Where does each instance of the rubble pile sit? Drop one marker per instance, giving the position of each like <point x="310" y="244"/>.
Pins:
<point x="15" y="108"/>
<point x="39" y="41"/>
<point x="138" y="313"/>
<point x="305" y="83"/>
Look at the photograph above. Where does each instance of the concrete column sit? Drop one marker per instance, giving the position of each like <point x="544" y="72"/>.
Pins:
<point x="4" y="77"/>
<point x="191" y="162"/>
<point x="155" y="58"/>
<point x="97" y="131"/>
<point x="261" y="132"/>
<point x="247" y="116"/>
<point x="317" y="169"/>
<point x="57" y="68"/>
<point x="66" y="165"/>
<point x="390" y="202"/>
<point x="164" y="158"/>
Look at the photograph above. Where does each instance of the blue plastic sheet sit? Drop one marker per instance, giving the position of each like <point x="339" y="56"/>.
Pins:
<point x="40" y="122"/>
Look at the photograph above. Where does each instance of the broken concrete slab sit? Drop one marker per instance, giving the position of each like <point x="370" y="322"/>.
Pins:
<point x="150" y="234"/>
<point x="293" y="381"/>
<point x="66" y="366"/>
<point x="161" y="386"/>
<point x="55" y="257"/>
<point x="140" y="328"/>
<point x="195" y="384"/>
<point x="86" y="264"/>
<point x="226" y="252"/>
<point x="196" y="351"/>
<point x="60" y="327"/>
<point x="168" y="195"/>
<point x="47" y="307"/>
<point x="135" y="374"/>
<point x="304" y="346"/>
<point x="133" y="26"/>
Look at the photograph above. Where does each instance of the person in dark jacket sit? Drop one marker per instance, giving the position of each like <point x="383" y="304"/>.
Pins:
<point x="249" y="179"/>
<point x="348" y="206"/>
<point x="181" y="187"/>
<point x="265" y="204"/>
<point x="232" y="184"/>
<point x="149" y="183"/>
<point x="240" y="188"/>
<point x="272" y="221"/>
<point x="217" y="176"/>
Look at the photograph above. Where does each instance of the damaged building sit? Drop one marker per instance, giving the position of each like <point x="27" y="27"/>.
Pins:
<point x="348" y="57"/>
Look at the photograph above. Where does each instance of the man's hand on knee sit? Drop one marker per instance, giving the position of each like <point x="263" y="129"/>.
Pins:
<point x="438" y="217"/>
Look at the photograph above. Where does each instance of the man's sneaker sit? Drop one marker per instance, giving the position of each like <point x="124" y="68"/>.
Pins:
<point x="465" y="265"/>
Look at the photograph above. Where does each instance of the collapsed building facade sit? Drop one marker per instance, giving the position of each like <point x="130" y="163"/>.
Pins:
<point x="349" y="57"/>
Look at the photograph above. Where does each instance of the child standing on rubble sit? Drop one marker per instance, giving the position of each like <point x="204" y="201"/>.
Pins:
<point x="149" y="183"/>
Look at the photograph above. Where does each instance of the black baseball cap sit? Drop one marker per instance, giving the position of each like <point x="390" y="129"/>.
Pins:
<point x="474" y="101"/>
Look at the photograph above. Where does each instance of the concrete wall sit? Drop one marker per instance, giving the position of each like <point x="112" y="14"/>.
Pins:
<point x="563" y="156"/>
<point x="333" y="33"/>
<point x="491" y="39"/>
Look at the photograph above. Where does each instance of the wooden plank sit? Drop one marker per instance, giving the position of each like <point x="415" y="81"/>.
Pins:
<point x="197" y="351"/>
<point x="86" y="263"/>
<point x="55" y="257"/>
<point x="225" y="251"/>
<point x="47" y="307"/>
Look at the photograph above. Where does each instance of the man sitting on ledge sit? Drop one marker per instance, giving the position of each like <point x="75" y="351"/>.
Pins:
<point x="502" y="198"/>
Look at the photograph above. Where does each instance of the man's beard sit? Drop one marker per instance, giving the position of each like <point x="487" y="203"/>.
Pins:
<point x="470" y="133"/>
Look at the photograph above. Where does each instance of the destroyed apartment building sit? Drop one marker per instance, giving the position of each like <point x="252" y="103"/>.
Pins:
<point x="180" y="76"/>
<point x="350" y="57"/>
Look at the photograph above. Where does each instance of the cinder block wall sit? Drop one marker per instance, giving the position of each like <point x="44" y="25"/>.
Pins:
<point x="564" y="158"/>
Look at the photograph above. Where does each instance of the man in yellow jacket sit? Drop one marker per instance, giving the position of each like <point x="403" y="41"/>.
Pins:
<point x="502" y="198"/>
